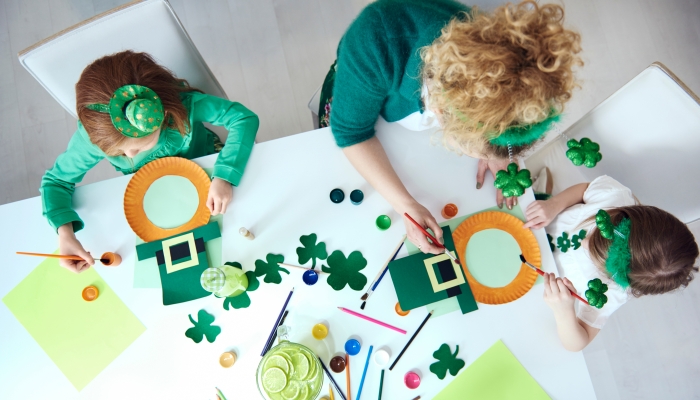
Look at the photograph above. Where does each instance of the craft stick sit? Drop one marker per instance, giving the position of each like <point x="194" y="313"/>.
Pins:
<point x="347" y="374"/>
<point x="270" y="338"/>
<point x="318" y="271"/>
<point x="432" y="238"/>
<point x="366" y="318"/>
<point x="60" y="256"/>
<point x="381" y="385"/>
<point x="364" y="372"/>
<point x="330" y="377"/>
<point x="539" y="271"/>
<point x="411" y="340"/>
<point x="383" y="270"/>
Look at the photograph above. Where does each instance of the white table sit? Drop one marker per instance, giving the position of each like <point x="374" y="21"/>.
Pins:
<point x="284" y="195"/>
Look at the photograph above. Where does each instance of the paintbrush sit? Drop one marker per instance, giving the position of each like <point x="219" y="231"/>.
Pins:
<point x="539" y="271"/>
<point x="61" y="256"/>
<point x="435" y="241"/>
<point x="381" y="273"/>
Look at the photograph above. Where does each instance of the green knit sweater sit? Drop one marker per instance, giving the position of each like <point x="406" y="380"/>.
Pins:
<point x="378" y="71"/>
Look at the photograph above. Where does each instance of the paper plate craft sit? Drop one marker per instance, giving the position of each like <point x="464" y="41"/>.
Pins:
<point x="345" y="271"/>
<point x="142" y="180"/>
<point x="423" y="279"/>
<point x="310" y="250"/>
<point x="586" y="152"/>
<point x="181" y="261"/>
<point x="271" y="268"/>
<point x="242" y="300"/>
<point x="525" y="278"/>
<point x="447" y="361"/>
<point x="203" y="327"/>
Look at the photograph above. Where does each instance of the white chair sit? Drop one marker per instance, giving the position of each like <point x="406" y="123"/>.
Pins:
<point x="649" y="134"/>
<point x="149" y="26"/>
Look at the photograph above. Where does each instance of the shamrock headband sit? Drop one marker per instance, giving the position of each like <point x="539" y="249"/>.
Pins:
<point x="619" y="256"/>
<point x="136" y="111"/>
<point x="525" y="134"/>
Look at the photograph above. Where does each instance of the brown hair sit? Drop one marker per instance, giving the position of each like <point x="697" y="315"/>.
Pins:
<point x="487" y="72"/>
<point x="663" y="249"/>
<point x="104" y="76"/>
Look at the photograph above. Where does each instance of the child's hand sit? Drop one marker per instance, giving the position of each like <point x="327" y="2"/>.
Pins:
<point x="557" y="295"/>
<point x="494" y="165"/>
<point x="220" y="195"/>
<point x="68" y="244"/>
<point x="540" y="213"/>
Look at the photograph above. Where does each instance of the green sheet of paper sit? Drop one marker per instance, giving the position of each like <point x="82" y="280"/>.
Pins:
<point x="496" y="375"/>
<point x="81" y="337"/>
<point x="493" y="257"/>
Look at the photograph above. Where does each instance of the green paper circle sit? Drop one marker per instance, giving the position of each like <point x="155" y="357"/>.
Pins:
<point x="170" y="201"/>
<point x="493" y="257"/>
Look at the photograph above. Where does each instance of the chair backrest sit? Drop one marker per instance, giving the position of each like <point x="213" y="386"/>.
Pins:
<point x="149" y="26"/>
<point x="649" y="135"/>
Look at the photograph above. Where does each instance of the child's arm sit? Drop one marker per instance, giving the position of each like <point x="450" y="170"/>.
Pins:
<point x="573" y="333"/>
<point x="540" y="213"/>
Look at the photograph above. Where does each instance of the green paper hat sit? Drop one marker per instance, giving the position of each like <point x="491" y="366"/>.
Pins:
<point x="525" y="134"/>
<point x="136" y="111"/>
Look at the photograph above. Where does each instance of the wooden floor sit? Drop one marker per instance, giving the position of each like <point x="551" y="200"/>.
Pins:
<point x="272" y="55"/>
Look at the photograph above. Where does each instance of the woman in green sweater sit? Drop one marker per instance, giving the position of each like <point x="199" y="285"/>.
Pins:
<point x="161" y="117"/>
<point x="491" y="82"/>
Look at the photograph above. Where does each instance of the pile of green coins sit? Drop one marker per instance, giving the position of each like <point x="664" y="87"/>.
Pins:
<point x="290" y="372"/>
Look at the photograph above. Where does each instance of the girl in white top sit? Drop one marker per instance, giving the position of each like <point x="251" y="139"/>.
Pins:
<point x="662" y="254"/>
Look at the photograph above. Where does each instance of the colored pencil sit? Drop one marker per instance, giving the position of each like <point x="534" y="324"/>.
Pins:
<point x="318" y="271"/>
<point x="411" y="340"/>
<point x="382" y="271"/>
<point x="330" y="377"/>
<point x="347" y="374"/>
<point x="366" y="318"/>
<point x="330" y="392"/>
<point x="270" y="338"/>
<point x="432" y="238"/>
<point x="539" y="271"/>
<point x="364" y="372"/>
<point x="219" y="394"/>
<point x="381" y="385"/>
<point x="61" y="256"/>
<point x="269" y="345"/>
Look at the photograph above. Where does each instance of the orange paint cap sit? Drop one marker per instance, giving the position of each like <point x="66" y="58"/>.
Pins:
<point x="90" y="293"/>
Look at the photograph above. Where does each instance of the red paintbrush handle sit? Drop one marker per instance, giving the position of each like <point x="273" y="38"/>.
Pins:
<point x="539" y="271"/>
<point x="435" y="241"/>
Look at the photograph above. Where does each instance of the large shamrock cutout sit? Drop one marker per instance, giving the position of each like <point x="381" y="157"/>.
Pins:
<point x="596" y="293"/>
<point x="604" y="224"/>
<point x="311" y="250"/>
<point x="345" y="270"/>
<point x="203" y="327"/>
<point x="512" y="181"/>
<point x="585" y="152"/>
<point x="446" y="361"/>
<point x="563" y="242"/>
<point x="576" y="239"/>
<point x="271" y="268"/>
<point x="242" y="300"/>
<point x="551" y="245"/>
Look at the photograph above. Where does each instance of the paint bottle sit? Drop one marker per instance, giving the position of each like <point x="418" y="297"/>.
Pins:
<point x="246" y="233"/>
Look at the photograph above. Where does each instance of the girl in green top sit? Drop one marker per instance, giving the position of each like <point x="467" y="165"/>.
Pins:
<point x="132" y="111"/>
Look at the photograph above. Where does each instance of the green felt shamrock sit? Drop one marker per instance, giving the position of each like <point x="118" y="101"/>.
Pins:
<point x="203" y="327"/>
<point x="563" y="242"/>
<point x="271" y="268"/>
<point x="242" y="300"/>
<point x="604" y="224"/>
<point x="551" y="244"/>
<point x="311" y="250"/>
<point x="596" y="293"/>
<point x="585" y="152"/>
<point x="513" y="182"/>
<point x="446" y="361"/>
<point x="576" y="239"/>
<point x="345" y="270"/>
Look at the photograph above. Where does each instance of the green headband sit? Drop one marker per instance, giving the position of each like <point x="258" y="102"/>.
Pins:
<point x="136" y="111"/>
<point x="525" y="134"/>
<point x="619" y="256"/>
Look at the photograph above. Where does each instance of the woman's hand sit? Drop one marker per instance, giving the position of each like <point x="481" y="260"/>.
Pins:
<point x="557" y="295"/>
<point x="541" y="213"/>
<point x="421" y="215"/>
<point x="494" y="165"/>
<point x="68" y="244"/>
<point x="220" y="195"/>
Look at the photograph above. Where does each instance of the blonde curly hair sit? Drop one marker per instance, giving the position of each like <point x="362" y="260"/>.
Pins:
<point x="488" y="72"/>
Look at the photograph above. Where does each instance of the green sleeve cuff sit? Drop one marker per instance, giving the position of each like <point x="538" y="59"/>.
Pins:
<point x="228" y="174"/>
<point x="65" y="217"/>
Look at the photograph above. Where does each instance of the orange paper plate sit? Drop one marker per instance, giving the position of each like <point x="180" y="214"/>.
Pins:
<point x="142" y="180"/>
<point x="525" y="279"/>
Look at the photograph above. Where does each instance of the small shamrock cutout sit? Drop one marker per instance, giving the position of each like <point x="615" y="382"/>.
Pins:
<point x="446" y="361"/>
<point x="203" y="327"/>
<point x="345" y="271"/>
<point x="242" y="300"/>
<point x="585" y="152"/>
<point x="576" y="239"/>
<point x="271" y="268"/>
<point x="596" y="293"/>
<point x="513" y="182"/>
<point x="311" y="250"/>
<point x="563" y="242"/>
<point x="551" y="244"/>
<point x="604" y="224"/>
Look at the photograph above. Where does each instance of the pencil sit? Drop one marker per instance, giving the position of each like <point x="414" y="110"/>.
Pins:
<point x="347" y="374"/>
<point x="330" y="377"/>
<point x="330" y="391"/>
<point x="539" y="271"/>
<point x="411" y="340"/>
<point x="269" y="345"/>
<point x="364" y="373"/>
<point x="381" y="385"/>
<point x="366" y="318"/>
<point x="274" y="328"/>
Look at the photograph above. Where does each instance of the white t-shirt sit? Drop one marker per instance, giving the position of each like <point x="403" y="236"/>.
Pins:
<point x="421" y="121"/>
<point x="603" y="193"/>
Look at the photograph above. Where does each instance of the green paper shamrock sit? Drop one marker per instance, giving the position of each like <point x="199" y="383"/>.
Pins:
<point x="604" y="224"/>
<point x="551" y="245"/>
<point x="345" y="270"/>
<point x="576" y="239"/>
<point x="595" y="293"/>
<point x="242" y="300"/>
<point x="446" y="361"/>
<point x="311" y="250"/>
<point x="585" y="152"/>
<point x="563" y="242"/>
<point x="513" y="182"/>
<point x="271" y="268"/>
<point x="203" y="327"/>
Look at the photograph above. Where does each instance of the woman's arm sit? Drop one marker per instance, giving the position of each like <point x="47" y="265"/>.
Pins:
<point x="540" y="213"/>
<point x="573" y="333"/>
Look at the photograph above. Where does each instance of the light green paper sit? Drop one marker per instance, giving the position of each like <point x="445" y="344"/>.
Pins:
<point x="493" y="257"/>
<point x="496" y="375"/>
<point x="170" y="201"/>
<point x="81" y="337"/>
